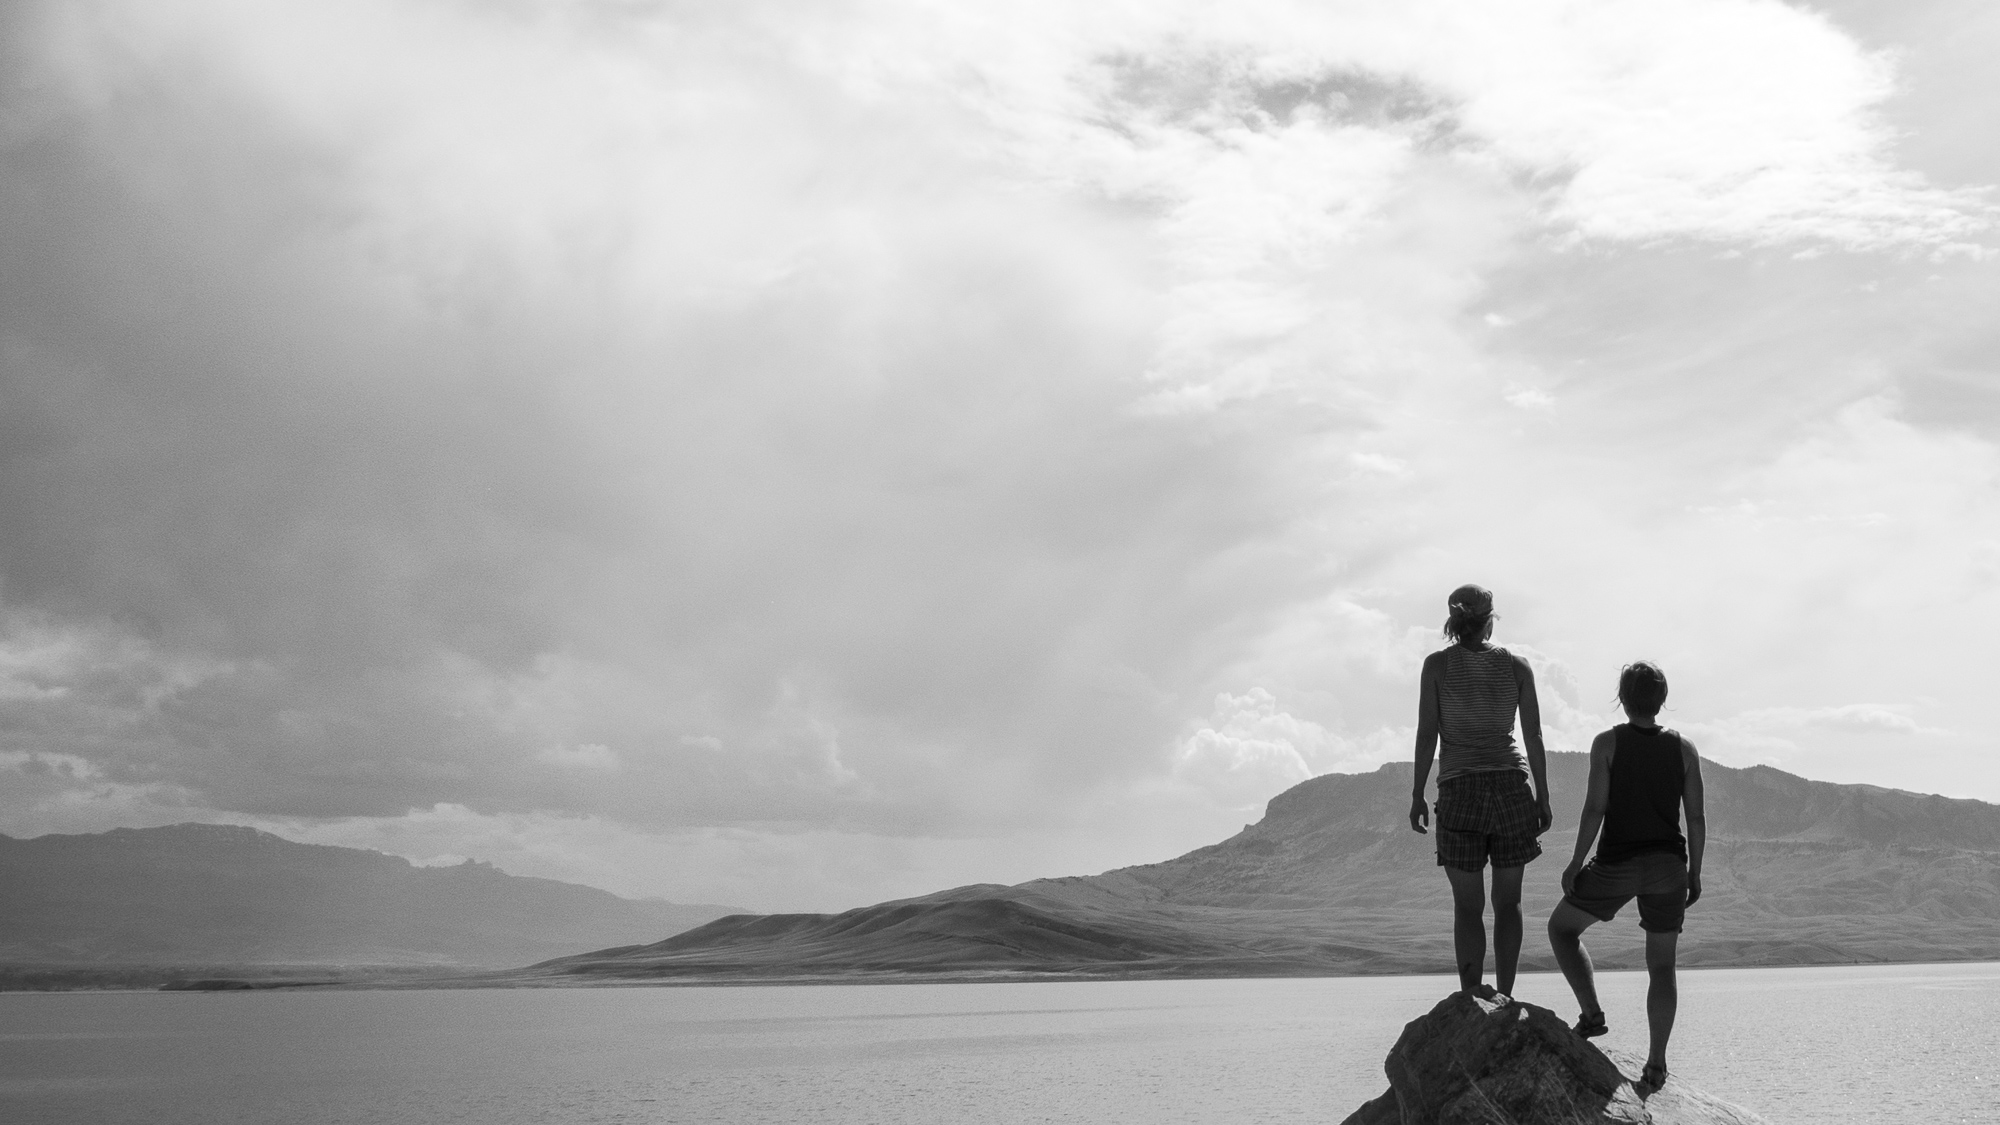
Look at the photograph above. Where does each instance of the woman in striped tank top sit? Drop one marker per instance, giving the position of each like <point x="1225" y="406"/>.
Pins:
<point x="1485" y="810"/>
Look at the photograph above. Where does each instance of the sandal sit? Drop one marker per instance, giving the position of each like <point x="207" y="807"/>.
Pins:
<point x="1590" y="1025"/>
<point x="1653" y="1076"/>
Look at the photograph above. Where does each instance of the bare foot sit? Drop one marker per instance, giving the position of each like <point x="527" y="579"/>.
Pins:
<point x="1590" y="1025"/>
<point x="1654" y="1076"/>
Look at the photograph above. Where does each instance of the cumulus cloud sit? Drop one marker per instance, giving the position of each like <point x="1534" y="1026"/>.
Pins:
<point x="588" y="756"/>
<point x="1814" y="738"/>
<point x="1254" y="749"/>
<point x="1376" y="463"/>
<point x="757" y="435"/>
<point x="1530" y="398"/>
<point x="1859" y="718"/>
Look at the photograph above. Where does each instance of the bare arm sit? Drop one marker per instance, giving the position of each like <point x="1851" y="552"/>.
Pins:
<point x="1595" y="799"/>
<point x="1697" y="817"/>
<point x="1531" y="737"/>
<point x="1427" y="737"/>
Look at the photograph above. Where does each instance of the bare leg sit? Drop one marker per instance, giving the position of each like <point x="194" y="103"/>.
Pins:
<point x="1506" y="926"/>
<point x="1468" y="925"/>
<point x="1566" y="928"/>
<point x="1663" y="996"/>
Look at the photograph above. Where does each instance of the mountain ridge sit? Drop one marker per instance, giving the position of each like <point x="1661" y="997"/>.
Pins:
<point x="1332" y="881"/>
<point x="218" y="894"/>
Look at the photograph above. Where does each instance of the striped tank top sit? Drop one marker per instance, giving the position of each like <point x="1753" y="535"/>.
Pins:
<point x="1477" y="696"/>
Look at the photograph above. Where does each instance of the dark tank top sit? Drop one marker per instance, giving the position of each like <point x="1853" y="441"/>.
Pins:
<point x="1644" y="812"/>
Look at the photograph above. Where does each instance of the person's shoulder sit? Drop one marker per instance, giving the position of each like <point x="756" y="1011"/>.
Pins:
<point x="1605" y="741"/>
<point x="1688" y="753"/>
<point x="1436" y="659"/>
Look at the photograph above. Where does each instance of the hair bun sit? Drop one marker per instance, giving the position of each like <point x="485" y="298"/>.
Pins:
<point x="1471" y="607"/>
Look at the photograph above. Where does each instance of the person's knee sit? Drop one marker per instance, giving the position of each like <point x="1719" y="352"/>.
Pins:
<point x="1567" y="923"/>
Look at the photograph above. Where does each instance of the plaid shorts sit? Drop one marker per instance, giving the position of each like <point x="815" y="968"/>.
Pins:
<point x="1487" y="815"/>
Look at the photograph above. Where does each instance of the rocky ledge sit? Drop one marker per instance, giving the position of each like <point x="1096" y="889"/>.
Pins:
<point x="1487" y="1059"/>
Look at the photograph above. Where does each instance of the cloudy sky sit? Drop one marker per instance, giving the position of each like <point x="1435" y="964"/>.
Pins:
<point x="801" y="454"/>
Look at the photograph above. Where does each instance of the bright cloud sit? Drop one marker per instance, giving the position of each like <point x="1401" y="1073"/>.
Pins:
<point x="589" y="756"/>
<point x="1257" y="750"/>
<point x="1530" y="398"/>
<point x="1253" y="749"/>
<point x="1860" y="718"/>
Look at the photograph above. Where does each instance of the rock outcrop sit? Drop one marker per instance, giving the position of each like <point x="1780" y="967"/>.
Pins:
<point x="1487" y="1059"/>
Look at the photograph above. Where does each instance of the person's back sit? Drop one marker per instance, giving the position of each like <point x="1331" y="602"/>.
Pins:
<point x="1641" y="778"/>
<point x="1478" y="693"/>
<point x="1642" y="813"/>
<point x="1467" y="698"/>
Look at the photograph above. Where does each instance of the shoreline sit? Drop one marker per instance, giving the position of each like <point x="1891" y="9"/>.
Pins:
<point x="245" y="979"/>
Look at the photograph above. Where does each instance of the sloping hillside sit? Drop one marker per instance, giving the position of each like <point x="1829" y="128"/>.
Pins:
<point x="1332" y="880"/>
<point x="202" y="894"/>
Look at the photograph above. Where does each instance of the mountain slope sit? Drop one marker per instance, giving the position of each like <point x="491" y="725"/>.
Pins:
<point x="203" y="894"/>
<point x="1332" y="880"/>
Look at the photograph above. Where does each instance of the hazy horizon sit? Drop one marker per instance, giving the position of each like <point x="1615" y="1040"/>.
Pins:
<point x="806" y="455"/>
<point x="291" y="833"/>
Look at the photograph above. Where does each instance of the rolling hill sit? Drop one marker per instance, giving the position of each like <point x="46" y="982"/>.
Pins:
<point x="224" y="895"/>
<point x="1332" y="881"/>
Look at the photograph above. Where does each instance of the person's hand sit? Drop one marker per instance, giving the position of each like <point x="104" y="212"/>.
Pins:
<point x="1420" y="814"/>
<point x="1694" y="887"/>
<point x="1545" y="814"/>
<point x="1569" y="878"/>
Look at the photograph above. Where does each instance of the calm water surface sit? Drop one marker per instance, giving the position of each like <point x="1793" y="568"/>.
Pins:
<point x="1802" y="1046"/>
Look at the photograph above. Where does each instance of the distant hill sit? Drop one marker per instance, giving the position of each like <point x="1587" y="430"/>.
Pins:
<point x="215" y="895"/>
<point x="1332" y="880"/>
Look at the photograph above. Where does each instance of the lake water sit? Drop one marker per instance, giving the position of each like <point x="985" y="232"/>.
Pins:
<point x="1918" y="1043"/>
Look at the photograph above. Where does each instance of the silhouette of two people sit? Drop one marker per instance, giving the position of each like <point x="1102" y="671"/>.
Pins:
<point x="1643" y="777"/>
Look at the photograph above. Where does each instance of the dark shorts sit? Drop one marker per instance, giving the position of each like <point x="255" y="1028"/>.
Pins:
<point x="1659" y="880"/>
<point x="1481" y="816"/>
